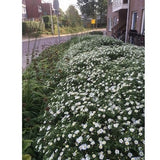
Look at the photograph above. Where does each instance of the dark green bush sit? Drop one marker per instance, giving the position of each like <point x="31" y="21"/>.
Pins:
<point x="96" y="33"/>
<point x="30" y="27"/>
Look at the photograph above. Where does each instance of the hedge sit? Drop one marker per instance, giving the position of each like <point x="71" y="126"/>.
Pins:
<point x="30" y="27"/>
<point x="96" y="109"/>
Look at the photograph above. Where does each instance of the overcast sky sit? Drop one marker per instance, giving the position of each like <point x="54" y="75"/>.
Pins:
<point x="63" y="4"/>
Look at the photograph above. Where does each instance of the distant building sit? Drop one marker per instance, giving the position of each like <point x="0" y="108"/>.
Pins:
<point x="125" y="20"/>
<point x="47" y="8"/>
<point x="24" y="12"/>
<point x="34" y="9"/>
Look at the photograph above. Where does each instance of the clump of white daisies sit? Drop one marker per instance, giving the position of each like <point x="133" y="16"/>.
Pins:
<point x="97" y="109"/>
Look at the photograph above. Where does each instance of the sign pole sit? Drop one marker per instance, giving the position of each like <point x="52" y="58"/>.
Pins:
<point x="56" y="7"/>
<point x="51" y="19"/>
<point x="58" y="28"/>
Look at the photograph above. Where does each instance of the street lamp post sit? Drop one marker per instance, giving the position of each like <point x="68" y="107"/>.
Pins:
<point x="56" y="7"/>
<point x="51" y="19"/>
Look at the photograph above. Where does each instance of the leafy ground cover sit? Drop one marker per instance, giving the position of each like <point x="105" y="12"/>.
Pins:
<point x="86" y="101"/>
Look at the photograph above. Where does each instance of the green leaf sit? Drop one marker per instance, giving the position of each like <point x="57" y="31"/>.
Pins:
<point x="25" y="144"/>
<point x="26" y="157"/>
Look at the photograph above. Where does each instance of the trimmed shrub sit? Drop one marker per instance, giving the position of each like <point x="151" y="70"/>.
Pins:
<point x="30" y="27"/>
<point x="96" y="33"/>
<point x="96" y="110"/>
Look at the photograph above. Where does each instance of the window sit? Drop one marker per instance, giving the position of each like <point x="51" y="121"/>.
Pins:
<point x="143" y="23"/>
<point x="134" y="20"/>
<point x="23" y="9"/>
<point x="115" y="21"/>
<point x="109" y="24"/>
<point x="39" y="9"/>
<point x="125" y="1"/>
<point x="110" y="1"/>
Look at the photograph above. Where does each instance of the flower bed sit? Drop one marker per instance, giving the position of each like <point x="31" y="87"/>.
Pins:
<point x="97" y="108"/>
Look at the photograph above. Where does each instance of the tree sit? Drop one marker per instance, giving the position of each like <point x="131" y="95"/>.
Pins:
<point x="94" y="9"/>
<point x="87" y="7"/>
<point x="73" y="17"/>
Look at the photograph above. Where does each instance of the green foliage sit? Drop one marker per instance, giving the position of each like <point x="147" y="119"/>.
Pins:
<point x="36" y="93"/>
<point x="90" y="96"/>
<point x="25" y="145"/>
<point x="73" y="17"/>
<point x="94" y="9"/>
<point x="26" y="157"/>
<point x="96" y="33"/>
<point x="47" y="21"/>
<point x="96" y="104"/>
<point x="31" y="27"/>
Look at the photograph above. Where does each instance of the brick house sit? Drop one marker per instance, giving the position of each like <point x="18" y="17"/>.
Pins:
<point x="125" y="20"/>
<point x="24" y="12"/>
<point x="34" y="9"/>
<point x="47" y="8"/>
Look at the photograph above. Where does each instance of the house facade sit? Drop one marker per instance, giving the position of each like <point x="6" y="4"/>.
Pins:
<point x="24" y="12"/>
<point x="47" y="8"/>
<point x="125" y="20"/>
<point x="34" y="9"/>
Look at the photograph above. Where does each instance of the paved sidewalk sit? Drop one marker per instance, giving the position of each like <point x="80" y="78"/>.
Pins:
<point x="72" y="34"/>
<point x="36" y="46"/>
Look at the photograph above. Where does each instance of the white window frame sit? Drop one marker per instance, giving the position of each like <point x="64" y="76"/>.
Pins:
<point x="39" y="9"/>
<point x="132" y="25"/>
<point x="143" y="23"/>
<point x="109" y="24"/>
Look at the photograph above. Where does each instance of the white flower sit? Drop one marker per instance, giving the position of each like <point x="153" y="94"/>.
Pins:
<point x="100" y="131"/>
<point x="91" y="129"/>
<point x="93" y="155"/>
<point x="130" y="112"/>
<point x="141" y="153"/>
<point x="119" y="117"/>
<point x="86" y="110"/>
<point x="109" y="152"/>
<point x="92" y="143"/>
<point x="67" y="146"/>
<point x="70" y="135"/>
<point x="121" y="141"/>
<point x="48" y="128"/>
<point x="116" y="125"/>
<point x="109" y="126"/>
<point x="88" y="146"/>
<point x="101" y="156"/>
<point x="83" y="147"/>
<point x="129" y="155"/>
<point x="125" y="118"/>
<point x="75" y="153"/>
<point x="136" y="142"/>
<point x="79" y="140"/>
<point x="73" y="124"/>
<point x="76" y="132"/>
<point x="116" y="151"/>
<point x="106" y="138"/>
<point x="59" y="158"/>
<point x="103" y="142"/>
<point x="127" y="143"/>
<point x="100" y="146"/>
<point x="131" y="129"/>
<point x="110" y="120"/>
<point x="85" y="126"/>
<point x="87" y="157"/>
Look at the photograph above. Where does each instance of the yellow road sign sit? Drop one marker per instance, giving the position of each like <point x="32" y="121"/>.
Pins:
<point x="93" y="21"/>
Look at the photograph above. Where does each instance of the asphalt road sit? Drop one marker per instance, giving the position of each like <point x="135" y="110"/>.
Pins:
<point x="36" y="46"/>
